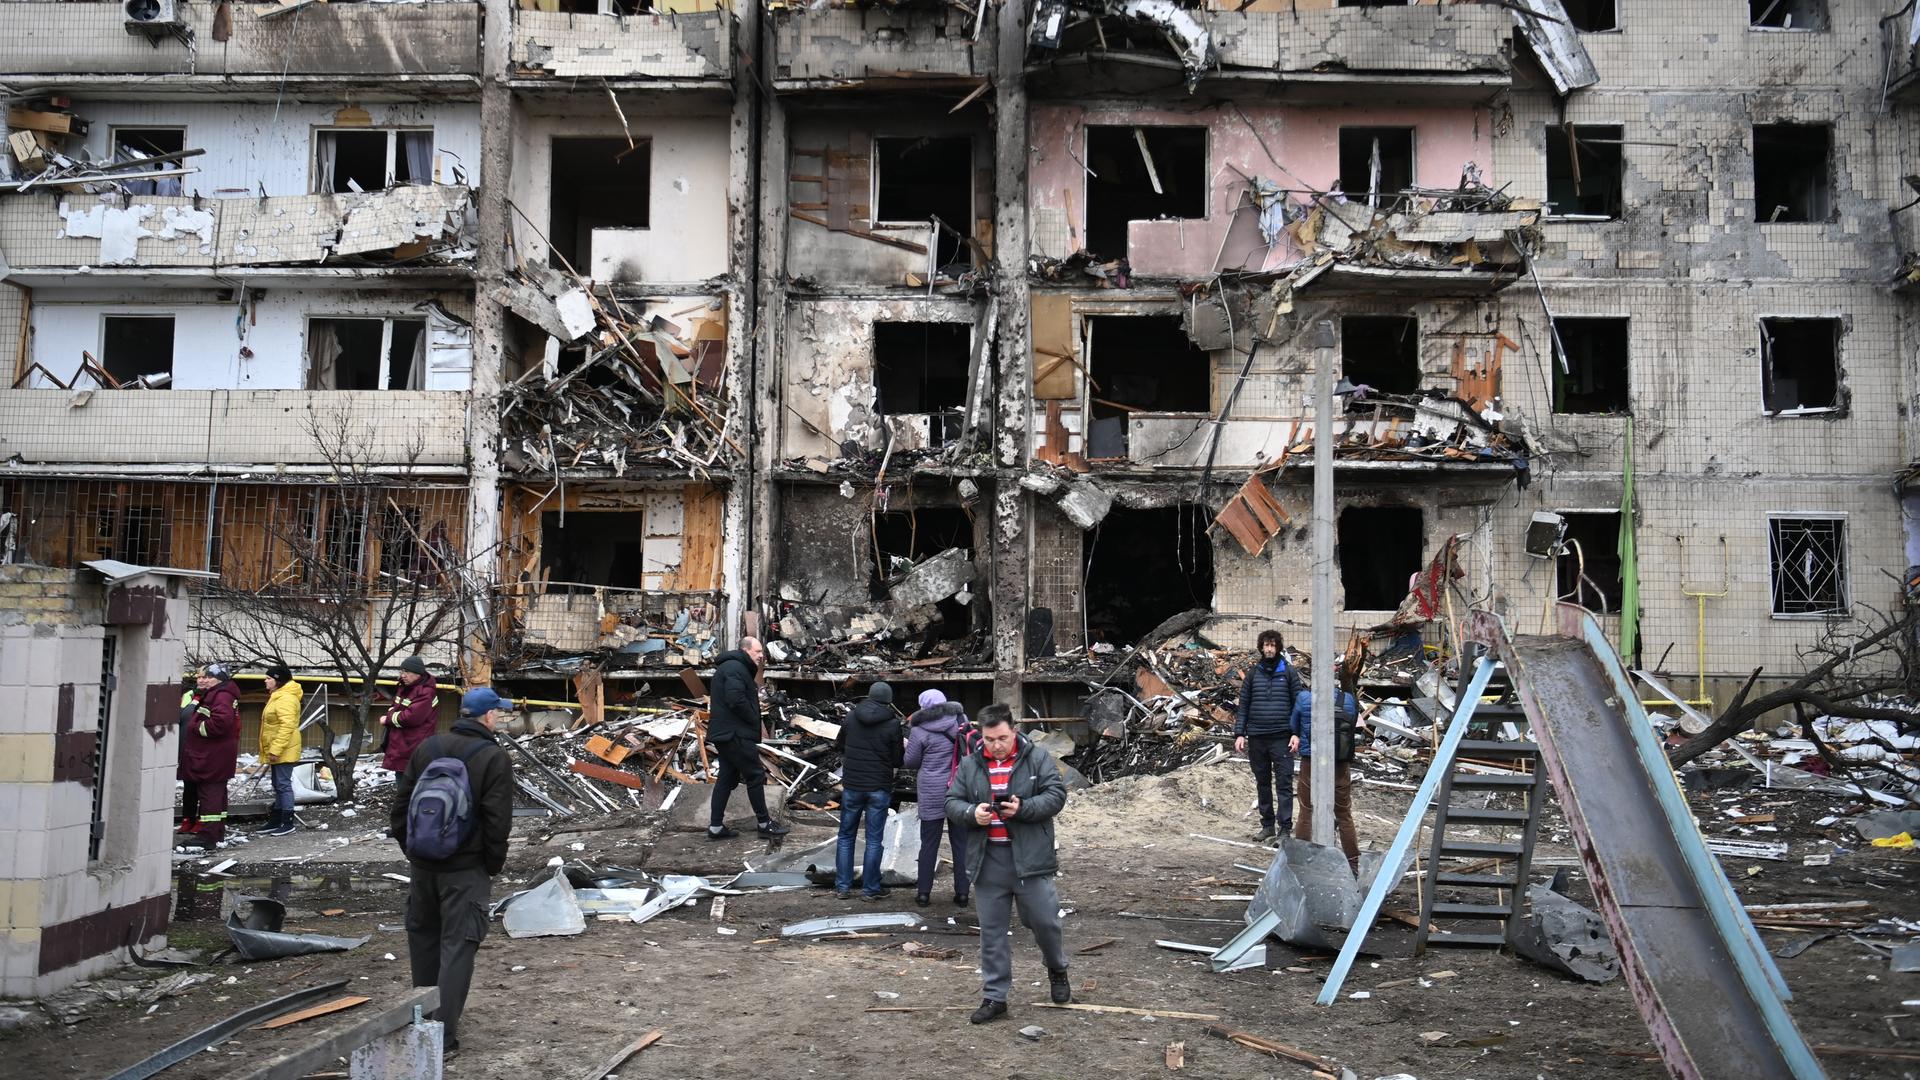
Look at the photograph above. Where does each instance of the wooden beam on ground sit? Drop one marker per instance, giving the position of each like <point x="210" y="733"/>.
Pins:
<point x="311" y="1011"/>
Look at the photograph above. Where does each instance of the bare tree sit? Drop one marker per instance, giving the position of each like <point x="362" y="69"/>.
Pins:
<point x="349" y="574"/>
<point x="1856" y="664"/>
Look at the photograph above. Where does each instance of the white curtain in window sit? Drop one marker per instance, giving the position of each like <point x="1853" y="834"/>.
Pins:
<point x="323" y="349"/>
<point x="325" y="150"/>
<point x="418" y="148"/>
<point x="417" y="370"/>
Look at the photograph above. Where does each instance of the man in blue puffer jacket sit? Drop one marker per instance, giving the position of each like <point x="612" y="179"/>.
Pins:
<point x="1261" y="728"/>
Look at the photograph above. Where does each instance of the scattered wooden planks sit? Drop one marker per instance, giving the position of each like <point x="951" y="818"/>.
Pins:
<point x="311" y="1011"/>
<point x="1276" y="1049"/>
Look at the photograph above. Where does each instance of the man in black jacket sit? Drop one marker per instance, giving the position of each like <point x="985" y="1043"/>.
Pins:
<point x="1261" y="728"/>
<point x="870" y="750"/>
<point x="734" y="732"/>
<point x="448" y="898"/>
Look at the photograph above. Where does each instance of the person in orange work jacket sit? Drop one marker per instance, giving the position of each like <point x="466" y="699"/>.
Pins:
<point x="413" y="716"/>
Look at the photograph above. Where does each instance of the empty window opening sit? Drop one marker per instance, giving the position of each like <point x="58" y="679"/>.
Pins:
<point x="408" y="548"/>
<point x="1144" y="567"/>
<point x="902" y="538"/>
<point x="1584" y="170"/>
<point x="918" y="179"/>
<point x="103" y="724"/>
<point x="1594" y="379"/>
<point x="366" y="354"/>
<point x="1588" y="570"/>
<point x="1787" y="14"/>
<point x="1142" y="174"/>
<point x="1140" y="364"/>
<point x="371" y="159"/>
<point x="1808" y="557"/>
<point x="130" y="144"/>
<point x="1792" y="172"/>
<point x="922" y="368"/>
<point x="1593" y="16"/>
<point x="1800" y="361"/>
<point x="343" y="543"/>
<point x="600" y="548"/>
<point x="1381" y="351"/>
<point x="1379" y="552"/>
<point x="595" y="183"/>
<point x="1375" y="161"/>
<point x="138" y="346"/>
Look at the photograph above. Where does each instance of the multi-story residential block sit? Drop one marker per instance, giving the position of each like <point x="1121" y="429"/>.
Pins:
<point x="955" y="343"/>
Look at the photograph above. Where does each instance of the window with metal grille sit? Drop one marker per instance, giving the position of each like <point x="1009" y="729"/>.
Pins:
<point x="1809" y="565"/>
<point x="97" y="831"/>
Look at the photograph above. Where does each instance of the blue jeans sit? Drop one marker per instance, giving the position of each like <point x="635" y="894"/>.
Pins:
<point x="853" y="806"/>
<point x="283" y="790"/>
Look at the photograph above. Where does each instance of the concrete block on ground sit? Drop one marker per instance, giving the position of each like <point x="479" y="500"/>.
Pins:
<point x="692" y="806"/>
<point x="413" y="1052"/>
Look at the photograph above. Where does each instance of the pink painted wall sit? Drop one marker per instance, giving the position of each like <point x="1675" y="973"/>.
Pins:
<point x="1304" y="140"/>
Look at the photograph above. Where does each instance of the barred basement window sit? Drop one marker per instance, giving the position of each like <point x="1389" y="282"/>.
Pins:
<point x="1809" y="565"/>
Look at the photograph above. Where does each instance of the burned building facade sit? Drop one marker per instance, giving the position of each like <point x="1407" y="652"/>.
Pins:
<point x="970" y="344"/>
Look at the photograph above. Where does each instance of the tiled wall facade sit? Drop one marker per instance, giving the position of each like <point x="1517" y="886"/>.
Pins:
<point x="66" y="911"/>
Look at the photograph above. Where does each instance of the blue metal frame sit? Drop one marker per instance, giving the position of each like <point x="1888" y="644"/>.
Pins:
<point x="1384" y="884"/>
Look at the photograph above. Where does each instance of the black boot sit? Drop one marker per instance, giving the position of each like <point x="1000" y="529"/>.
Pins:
<point x="989" y="1010"/>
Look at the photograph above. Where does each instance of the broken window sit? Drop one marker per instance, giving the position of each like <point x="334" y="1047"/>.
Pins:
<point x="1140" y="364"/>
<point x="1584" y="170"/>
<point x="1379" y="552"/>
<point x="133" y="346"/>
<point x="917" y="179"/>
<point x="1787" y="14"/>
<point x="1375" y="161"/>
<point x="1588" y="570"/>
<point x="1592" y="16"/>
<point x="1144" y="567"/>
<point x="366" y="354"/>
<point x="1808" y="556"/>
<point x="406" y="548"/>
<point x="343" y="542"/>
<point x="1594" y="379"/>
<point x="1381" y="351"/>
<point x="1142" y="174"/>
<point x="1792" y="172"/>
<point x="1800" y="361"/>
<point x="922" y="368"/>
<point x="131" y="143"/>
<point x="371" y="159"/>
<point x="595" y="183"/>
<point x="903" y="538"/>
<point x="601" y="548"/>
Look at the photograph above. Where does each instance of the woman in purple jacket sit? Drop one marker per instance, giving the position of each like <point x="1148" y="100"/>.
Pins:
<point x="938" y="738"/>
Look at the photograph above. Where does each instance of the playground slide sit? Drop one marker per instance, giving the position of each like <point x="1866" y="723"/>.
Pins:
<point x="1709" y="993"/>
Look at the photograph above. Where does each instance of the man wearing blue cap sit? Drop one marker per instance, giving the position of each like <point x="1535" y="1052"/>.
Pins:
<point x="456" y="843"/>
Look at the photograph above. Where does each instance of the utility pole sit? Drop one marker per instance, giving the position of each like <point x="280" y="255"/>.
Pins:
<point x="489" y="333"/>
<point x="1325" y="743"/>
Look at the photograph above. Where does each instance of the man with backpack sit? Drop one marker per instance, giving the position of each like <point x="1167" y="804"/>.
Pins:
<point x="1346" y="722"/>
<point x="452" y="811"/>
<point x="1260" y="730"/>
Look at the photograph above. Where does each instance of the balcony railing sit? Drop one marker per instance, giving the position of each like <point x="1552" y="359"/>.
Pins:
<point x="831" y="46"/>
<point x="562" y="45"/>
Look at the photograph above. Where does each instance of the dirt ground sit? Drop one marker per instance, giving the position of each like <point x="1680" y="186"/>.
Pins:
<point x="737" y="1004"/>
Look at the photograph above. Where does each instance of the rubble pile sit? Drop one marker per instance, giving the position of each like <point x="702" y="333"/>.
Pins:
<point x="644" y="389"/>
<point x="914" y="624"/>
<point x="634" y="628"/>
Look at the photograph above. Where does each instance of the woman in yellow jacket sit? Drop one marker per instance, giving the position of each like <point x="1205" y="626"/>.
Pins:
<point x="280" y="744"/>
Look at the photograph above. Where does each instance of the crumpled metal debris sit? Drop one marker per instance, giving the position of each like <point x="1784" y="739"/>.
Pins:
<point x="1565" y="936"/>
<point x="256" y="932"/>
<point x="841" y="924"/>
<point x="549" y="910"/>
<point x="1314" y="892"/>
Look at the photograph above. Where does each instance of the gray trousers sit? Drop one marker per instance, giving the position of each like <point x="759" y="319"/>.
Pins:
<point x="996" y="890"/>
<point x="446" y="918"/>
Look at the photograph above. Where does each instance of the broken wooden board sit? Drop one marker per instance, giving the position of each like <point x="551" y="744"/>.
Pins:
<point x="611" y="776"/>
<point x="311" y="1011"/>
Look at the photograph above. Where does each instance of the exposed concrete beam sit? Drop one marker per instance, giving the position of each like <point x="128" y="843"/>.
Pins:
<point x="489" y="322"/>
<point x="1012" y="509"/>
<point x="746" y="495"/>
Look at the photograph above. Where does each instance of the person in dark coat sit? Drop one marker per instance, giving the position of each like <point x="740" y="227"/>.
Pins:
<point x="1346" y="722"/>
<point x="414" y="714"/>
<point x="870" y="751"/>
<point x="447" y="899"/>
<point x="734" y="732"/>
<point x="937" y="739"/>
<point x="1261" y="728"/>
<point x="209" y="748"/>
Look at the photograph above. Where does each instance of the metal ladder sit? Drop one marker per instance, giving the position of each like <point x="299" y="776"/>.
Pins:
<point x="1483" y="904"/>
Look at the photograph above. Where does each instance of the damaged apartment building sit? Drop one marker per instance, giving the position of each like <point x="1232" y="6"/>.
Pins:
<point x="966" y="343"/>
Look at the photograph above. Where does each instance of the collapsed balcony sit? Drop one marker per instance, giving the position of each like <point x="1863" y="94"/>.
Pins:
<point x="615" y="387"/>
<point x="1429" y="52"/>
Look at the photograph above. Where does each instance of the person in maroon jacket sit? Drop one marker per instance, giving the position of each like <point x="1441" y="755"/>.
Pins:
<point x="413" y="716"/>
<point x="208" y="749"/>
